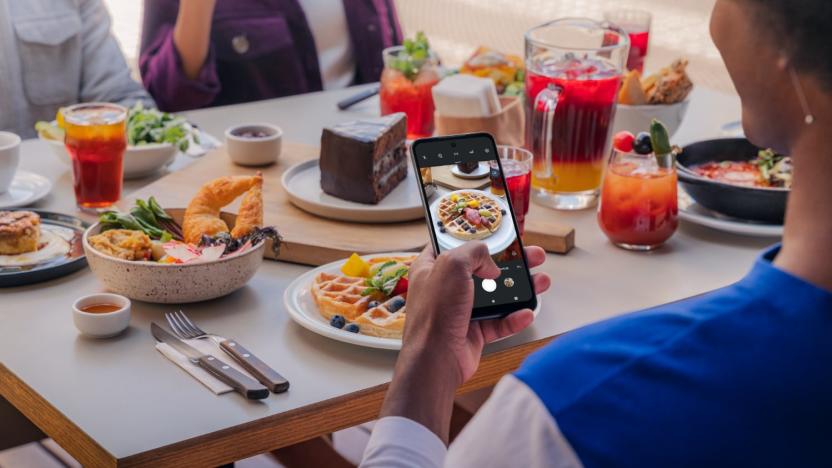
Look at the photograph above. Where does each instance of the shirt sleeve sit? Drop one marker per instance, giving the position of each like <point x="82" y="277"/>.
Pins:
<point x="161" y="65"/>
<point x="399" y="442"/>
<point x="105" y="75"/>
<point x="513" y="428"/>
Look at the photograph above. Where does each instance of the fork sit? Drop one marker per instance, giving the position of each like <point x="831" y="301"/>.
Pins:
<point x="187" y="329"/>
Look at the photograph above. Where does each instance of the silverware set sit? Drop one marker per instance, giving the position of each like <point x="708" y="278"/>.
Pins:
<point x="186" y="329"/>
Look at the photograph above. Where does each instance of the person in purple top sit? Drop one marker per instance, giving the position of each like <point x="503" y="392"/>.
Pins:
<point x="202" y="53"/>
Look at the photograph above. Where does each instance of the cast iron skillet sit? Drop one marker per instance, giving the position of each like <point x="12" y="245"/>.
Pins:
<point x="766" y="205"/>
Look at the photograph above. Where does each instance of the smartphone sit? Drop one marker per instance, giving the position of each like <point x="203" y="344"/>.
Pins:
<point x="462" y="187"/>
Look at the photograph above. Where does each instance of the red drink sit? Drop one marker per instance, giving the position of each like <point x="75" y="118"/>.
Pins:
<point x="638" y="204"/>
<point x="519" y="184"/>
<point x="414" y="98"/>
<point x="638" y="50"/>
<point x="96" y="141"/>
<point x="578" y="128"/>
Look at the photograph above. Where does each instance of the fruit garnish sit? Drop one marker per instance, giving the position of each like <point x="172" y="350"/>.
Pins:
<point x="401" y="287"/>
<point x="473" y="204"/>
<point x="356" y="266"/>
<point x="59" y="118"/>
<point x="661" y="139"/>
<point x="454" y="197"/>
<point x="623" y="141"/>
<point x="338" y="321"/>
<point x="643" y="143"/>
<point x="484" y="213"/>
<point x="48" y="131"/>
<point x="384" y="278"/>
<point x="352" y="328"/>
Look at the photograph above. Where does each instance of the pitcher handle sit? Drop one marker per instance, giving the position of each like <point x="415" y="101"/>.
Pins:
<point x="545" y="105"/>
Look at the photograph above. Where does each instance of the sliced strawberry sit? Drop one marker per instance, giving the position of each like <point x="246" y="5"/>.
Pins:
<point x="473" y="216"/>
<point x="401" y="287"/>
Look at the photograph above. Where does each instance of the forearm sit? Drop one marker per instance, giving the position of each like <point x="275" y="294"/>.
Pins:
<point x="423" y="390"/>
<point x="192" y="34"/>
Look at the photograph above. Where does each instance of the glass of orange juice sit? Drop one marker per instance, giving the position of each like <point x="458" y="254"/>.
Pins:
<point x="96" y="139"/>
<point x="638" y="208"/>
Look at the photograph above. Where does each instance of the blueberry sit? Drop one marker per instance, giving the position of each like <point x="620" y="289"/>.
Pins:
<point x="503" y="211"/>
<point x="396" y="304"/>
<point x="487" y="207"/>
<point x="472" y="231"/>
<point x="443" y="230"/>
<point x="643" y="144"/>
<point x="352" y="328"/>
<point x="338" y="321"/>
<point x="439" y="223"/>
<point x="372" y="304"/>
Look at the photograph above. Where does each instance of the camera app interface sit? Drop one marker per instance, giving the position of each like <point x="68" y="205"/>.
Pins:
<point x="467" y="201"/>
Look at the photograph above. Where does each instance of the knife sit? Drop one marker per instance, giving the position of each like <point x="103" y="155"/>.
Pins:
<point x="241" y="383"/>
<point x="346" y="103"/>
<point x="259" y="369"/>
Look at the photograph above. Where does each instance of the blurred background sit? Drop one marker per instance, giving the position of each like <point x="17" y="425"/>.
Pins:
<point x="456" y="27"/>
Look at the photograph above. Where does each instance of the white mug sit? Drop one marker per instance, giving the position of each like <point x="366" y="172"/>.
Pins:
<point x="9" y="158"/>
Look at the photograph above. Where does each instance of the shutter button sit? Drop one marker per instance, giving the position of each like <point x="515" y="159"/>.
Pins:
<point x="240" y="44"/>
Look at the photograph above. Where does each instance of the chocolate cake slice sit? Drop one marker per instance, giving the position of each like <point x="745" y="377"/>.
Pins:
<point x="364" y="160"/>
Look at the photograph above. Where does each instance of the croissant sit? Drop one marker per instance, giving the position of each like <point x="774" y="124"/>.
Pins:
<point x="203" y="213"/>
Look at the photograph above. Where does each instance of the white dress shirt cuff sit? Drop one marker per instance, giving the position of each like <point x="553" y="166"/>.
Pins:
<point x="399" y="442"/>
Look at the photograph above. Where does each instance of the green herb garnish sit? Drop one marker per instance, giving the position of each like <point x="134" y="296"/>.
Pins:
<point x="661" y="142"/>
<point x="410" y="59"/>
<point x="384" y="281"/>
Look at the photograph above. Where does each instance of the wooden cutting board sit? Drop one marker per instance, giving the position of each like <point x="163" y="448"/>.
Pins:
<point x="443" y="176"/>
<point x="309" y="239"/>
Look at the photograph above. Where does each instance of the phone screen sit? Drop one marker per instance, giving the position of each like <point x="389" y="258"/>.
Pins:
<point x="464" y="192"/>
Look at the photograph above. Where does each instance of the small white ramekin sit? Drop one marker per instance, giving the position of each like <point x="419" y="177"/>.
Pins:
<point x="98" y="325"/>
<point x="258" y="151"/>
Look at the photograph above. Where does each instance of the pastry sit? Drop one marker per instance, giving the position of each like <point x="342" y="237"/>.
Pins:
<point x="364" y="160"/>
<point x="469" y="215"/>
<point x="202" y="217"/>
<point x="670" y="85"/>
<point x="19" y="232"/>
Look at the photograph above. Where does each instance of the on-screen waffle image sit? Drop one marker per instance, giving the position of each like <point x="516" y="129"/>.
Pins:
<point x="469" y="215"/>
<point x="369" y="297"/>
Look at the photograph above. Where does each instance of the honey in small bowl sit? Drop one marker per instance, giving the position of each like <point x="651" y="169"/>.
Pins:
<point x="100" y="308"/>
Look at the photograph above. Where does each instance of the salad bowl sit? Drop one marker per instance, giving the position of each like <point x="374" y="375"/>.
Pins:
<point x="172" y="283"/>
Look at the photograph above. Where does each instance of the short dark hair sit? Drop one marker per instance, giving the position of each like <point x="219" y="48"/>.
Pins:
<point x="805" y="27"/>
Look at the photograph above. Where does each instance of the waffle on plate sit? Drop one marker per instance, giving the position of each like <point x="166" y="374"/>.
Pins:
<point x="368" y="297"/>
<point x="469" y="215"/>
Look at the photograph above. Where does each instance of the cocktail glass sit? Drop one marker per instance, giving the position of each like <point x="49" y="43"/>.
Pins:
<point x="409" y="93"/>
<point x="637" y="25"/>
<point x="517" y="168"/>
<point x="573" y="73"/>
<point x="96" y="140"/>
<point x="639" y="208"/>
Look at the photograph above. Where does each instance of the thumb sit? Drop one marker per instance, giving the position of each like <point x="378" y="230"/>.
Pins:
<point x="477" y="259"/>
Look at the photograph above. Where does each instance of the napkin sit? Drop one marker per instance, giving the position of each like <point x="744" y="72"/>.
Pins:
<point x="208" y="347"/>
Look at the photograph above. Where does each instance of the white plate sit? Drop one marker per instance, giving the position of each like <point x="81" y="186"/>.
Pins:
<point x="302" y="309"/>
<point x="303" y="184"/>
<point x="480" y="173"/>
<point x="496" y="242"/>
<point x="695" y="213"/>
<point x="26" y="188"/>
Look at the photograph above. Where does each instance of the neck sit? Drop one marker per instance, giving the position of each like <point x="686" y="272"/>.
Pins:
<point x="807" y="238"/>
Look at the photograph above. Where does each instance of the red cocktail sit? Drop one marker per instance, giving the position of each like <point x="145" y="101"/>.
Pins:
<point x="639" y="209"/>
<point x="96" y="141"/>
<point x="637" y="25"/>
<point x="517" y="167"/>
<point x="571" y="94"/>
<point x="408" y="89"/>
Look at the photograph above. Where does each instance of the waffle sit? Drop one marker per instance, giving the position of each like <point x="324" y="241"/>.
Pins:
<point x="339" y="295"/>
<point x="459" y="225"/>
<point x="379" y="321"/>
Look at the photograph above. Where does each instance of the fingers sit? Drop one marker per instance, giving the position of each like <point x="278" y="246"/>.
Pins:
<point x="493" y="330"/>
<point x="535" y="256"/>
<point x="542" y="281"/>
<point x="474" y="257"/>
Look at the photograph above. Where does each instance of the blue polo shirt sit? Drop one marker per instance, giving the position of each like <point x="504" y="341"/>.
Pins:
<point x="741" y="376"/>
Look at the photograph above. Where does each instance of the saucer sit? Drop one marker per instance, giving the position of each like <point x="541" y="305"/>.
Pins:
<point x="481" y="172"/>
<point x="27" y="188"/>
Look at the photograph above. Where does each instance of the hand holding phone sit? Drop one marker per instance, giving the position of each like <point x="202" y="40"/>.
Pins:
<point x="458" y="214"/>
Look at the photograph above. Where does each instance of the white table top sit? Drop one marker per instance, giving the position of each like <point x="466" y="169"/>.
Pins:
<point x="128" y="398"/>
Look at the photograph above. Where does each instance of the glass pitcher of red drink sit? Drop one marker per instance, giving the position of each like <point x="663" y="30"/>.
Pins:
<point x="573" y="72"/>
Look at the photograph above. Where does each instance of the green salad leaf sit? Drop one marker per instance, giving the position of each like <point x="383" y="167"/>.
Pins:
<point x="148" y="126"/>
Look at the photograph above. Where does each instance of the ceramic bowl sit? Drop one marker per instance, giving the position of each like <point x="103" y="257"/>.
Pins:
<point x="102" y="325"/>
<point x="139" y="161"/>
<point x="637" y="119"/>
<point x="767" y="205"/>
<point x="172" y="283"/>
<point x="254" y="150"/>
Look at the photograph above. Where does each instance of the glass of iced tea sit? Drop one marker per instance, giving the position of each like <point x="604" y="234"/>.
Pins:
<point x="517" y="169"/>
<point x="573" y="72"/>
<point x="639" y="209"/>
<point x="96" y="140"/>
<point x="406" y="86"/>
<point x="637" y="25"/>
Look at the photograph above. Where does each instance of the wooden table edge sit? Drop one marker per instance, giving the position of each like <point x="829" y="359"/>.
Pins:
<point x="245" y="440"/>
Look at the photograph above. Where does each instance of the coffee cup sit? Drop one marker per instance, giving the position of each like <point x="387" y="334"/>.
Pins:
<point x="9" y="159"/>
